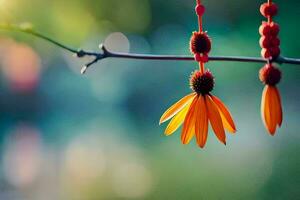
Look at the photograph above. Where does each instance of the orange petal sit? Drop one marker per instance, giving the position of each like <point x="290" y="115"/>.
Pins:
<point x="189" y="123"/>
<point x="275" y="107"/>
<point x="201" y="126"/>
<point x="279" y="107"/>
<point x="266" y="109"/>
<point x="215" y="119"/>
<point x="177" y="120"/>
<point x="173" y="110"/>
<point x="225" y="115"/>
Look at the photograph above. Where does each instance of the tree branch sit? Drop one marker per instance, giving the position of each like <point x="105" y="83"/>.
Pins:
<point x="97" y="56"/>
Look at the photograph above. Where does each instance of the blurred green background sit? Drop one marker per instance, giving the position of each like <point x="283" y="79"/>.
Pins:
<point x="68" y="136"/>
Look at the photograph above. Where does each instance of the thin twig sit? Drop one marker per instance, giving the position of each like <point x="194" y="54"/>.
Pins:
<point x="111" y="54"/>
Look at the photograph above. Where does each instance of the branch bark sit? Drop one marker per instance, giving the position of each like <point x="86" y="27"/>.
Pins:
<point x="97" y="56"/>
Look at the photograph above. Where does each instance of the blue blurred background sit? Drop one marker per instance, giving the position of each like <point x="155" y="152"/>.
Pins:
<point x="68" y="136"/>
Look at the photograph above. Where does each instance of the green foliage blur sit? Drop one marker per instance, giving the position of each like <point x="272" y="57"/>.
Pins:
<point x="68" y="136"/>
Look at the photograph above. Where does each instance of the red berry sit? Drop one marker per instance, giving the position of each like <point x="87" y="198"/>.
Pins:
<point x="275" y="52"/>
<point x="274" y="29"/>
<point x="270" y="75"/>
<point x="265" y="53"/>
<point x="263" y="8"/>
<point x="275" y="42"/>
<point x="268" y="10"/>
<point x="273" y="9"/>
<point x="265" y="29"/>
<point x="200" y="9"/>
<point x="197" y="57"/>
<point x="204" y="58"/>
<point x="264" y="42"/>
<point x="201" y="57"/>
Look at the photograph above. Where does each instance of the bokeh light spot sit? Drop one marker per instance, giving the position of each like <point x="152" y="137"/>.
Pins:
<point x="132" y="180"/>
<point x="23" y="156"/>
<point x="117" y="42"/>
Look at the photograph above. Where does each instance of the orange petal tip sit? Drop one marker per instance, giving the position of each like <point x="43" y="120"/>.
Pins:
<point x="227" y="119"/>
<point x="215" y="119"/>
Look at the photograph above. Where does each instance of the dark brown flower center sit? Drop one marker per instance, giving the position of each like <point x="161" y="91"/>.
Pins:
<point x="202" y="83"/>
<point x="200" y="43"/>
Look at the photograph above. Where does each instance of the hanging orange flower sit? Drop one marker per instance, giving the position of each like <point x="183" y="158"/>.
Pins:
<point x="271" y="110"/>
<point x="196" y="110"/>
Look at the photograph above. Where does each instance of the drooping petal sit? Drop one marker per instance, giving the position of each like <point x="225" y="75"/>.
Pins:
<point x="189" y="123"/>
<point x="201" y="126"/>
<point x="273" y="108"/>
<point x="215" y="119"/>
<point x="177" y="120"/>
<point x="190" y="135"/>
<point x="225" y="115"/>
<point x="267" y="108"/>
<point x="279" y="107"/>
<point x="174" y="109"/>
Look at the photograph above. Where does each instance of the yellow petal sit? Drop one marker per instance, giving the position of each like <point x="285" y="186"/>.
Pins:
<point x="173" y="110"/>
<point x="279" y="107"/>
<point x="189" y="123"/>
<point x="177" y="120"/>
<point x="201" y="126"/>
<point x="225" y="115"/>
<point x="263" y="105"/>
<point x="215" y="119"/>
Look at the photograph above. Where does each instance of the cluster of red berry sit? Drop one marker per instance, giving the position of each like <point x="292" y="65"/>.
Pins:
<point x="270" y="75"/>
<point x="269" y="31"/>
